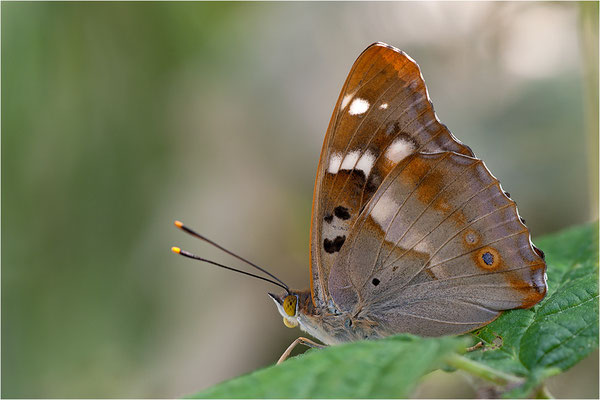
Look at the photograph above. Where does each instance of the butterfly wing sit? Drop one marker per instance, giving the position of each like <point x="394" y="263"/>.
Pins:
<point x="440" y="249"/>
<point x="383" y="115"/>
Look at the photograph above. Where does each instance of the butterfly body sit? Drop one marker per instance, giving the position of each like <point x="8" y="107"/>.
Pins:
<point x="410" y="231"/>
<point x="329" y="325"/>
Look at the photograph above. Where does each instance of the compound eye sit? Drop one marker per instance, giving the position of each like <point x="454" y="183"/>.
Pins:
<point x="289" y="305"/>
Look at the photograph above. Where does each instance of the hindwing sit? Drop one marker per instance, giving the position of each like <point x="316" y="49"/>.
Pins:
<point x="440" y="249"/>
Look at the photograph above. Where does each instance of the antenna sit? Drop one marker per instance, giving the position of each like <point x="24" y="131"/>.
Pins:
<point x="195" y="257"/>
<point x="184" y="253"/>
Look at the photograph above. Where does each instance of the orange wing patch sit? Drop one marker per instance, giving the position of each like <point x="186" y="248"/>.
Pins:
<point x="533" y="289"/>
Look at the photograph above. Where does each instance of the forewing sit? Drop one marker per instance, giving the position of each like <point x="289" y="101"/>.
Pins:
<point x="382" y="116"/>
<point x="440" y="249"/>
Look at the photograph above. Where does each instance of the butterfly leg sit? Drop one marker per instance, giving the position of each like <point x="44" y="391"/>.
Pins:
<point x="300" y="340"/>
<point x="473" y="348"/>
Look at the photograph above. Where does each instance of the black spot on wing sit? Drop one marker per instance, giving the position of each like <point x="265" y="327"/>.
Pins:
<point x="358" y="176"/>
<point x="341" y="212"/>
<point x="333" y="246"/>
<point x="328" y="218"/>
<point x="350" y="181"/>
<point x="375" y="281"/>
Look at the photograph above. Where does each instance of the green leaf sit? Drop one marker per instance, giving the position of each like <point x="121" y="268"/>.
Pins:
<point x="378" y="369"/>
<point x="561" y="330"/>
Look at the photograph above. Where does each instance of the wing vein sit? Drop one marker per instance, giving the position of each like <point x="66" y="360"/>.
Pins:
<point x="479" y="248"/>
<point x="427" y="207"/>
<point x="465" y="170"/>
<point x="475" y="275"/>
<point x="345" y="152"/>
<point x="397" y="213"/>
<point x="436" y="319"/>
<point x="444" y="220"/>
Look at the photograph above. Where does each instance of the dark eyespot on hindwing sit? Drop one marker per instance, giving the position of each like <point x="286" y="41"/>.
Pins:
<point x="328" y="218"/>
<point x="341" y="212"/>
<point x="332" y="246"/>
<point x="488" y="258"/>
<point x="375" y="281"/>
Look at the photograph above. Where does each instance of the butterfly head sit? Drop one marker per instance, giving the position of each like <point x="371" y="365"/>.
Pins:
<point x="287" y="304"/>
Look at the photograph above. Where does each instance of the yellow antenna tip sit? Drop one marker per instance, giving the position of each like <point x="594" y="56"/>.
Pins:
<point x="178" y="224"/>
<point x="176" y="250"/>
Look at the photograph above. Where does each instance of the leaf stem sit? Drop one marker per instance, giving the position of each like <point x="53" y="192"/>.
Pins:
<point x="543" y="393"/>
<point x="483" y="371"/>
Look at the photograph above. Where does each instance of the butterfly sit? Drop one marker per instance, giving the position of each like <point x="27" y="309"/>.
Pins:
<point x="410" y="231"/>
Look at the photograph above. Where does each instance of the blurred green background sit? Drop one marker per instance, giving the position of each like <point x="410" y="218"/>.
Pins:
<point x="118" y="118"/>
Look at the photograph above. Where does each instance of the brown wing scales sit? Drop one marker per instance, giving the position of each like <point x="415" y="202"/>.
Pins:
<point x="382" y="116"/>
